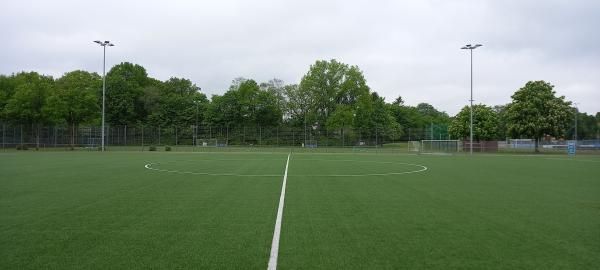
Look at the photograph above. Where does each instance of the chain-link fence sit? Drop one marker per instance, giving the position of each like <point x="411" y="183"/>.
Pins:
<point x="194" y="138"/>
<point x="34" y="136"/>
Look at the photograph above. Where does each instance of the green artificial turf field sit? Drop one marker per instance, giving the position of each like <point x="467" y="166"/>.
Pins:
<point x="148" y="210"/>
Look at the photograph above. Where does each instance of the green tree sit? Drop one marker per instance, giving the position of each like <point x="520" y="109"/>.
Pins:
<point x="297" y="105"/>
<point x="536" y="111"/>
<point x="383" y="120"/>
<point x="276" y="88"/>
<point x="245" y="104"/>
<point x="417" y="120"/>
<point x="323" y="83"/>
<point x="26" y="104"/>
<point x="247" y="98"/>
<point x="180" y="104"/>
<point x="223" y="110"/>
<point x="586" y="126"/>
<point x="151" y="101"/>
<point x="268" y="111"/>
<point x="74" y="100"/>
<point x="485" y="123"/>
<point x="430" y="114"/>
<point x="125" y="85"/>
<point x="7" y="89"/>
<point x="406" y="116"/>
<point x="500" y="111"/>
<point x="598" y="125"/>
<point x="341" y="118"/>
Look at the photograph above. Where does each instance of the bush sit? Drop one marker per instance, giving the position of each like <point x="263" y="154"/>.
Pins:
<point x="167" y="148"/>
<point x="22" y="147"/>
<point x="152" y="148"/>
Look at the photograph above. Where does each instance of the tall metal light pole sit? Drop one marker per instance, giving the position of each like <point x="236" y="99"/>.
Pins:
<point x="576" y="113"/>
<point x="196" y="126"/>
<point x="471" y="48"/>
<point x="103" y="44"/>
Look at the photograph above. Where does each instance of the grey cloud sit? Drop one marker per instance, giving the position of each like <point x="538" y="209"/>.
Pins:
<point x="408" y="48"/>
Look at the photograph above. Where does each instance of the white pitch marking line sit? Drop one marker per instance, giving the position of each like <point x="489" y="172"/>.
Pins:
<point x="277" y="232"/>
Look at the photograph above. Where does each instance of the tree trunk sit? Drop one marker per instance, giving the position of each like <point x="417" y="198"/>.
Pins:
<point x="536" y="145"/>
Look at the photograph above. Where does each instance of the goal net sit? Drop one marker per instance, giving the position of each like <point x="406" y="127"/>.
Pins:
<point x="440" y="146"/>
<point x="211" y="143"/>
<point x="414" y="146"/>
<point x="310" y="144"/>
<point x="520" y="144"/>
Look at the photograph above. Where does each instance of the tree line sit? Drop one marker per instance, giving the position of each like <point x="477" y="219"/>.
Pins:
<point x="331" y="95"/>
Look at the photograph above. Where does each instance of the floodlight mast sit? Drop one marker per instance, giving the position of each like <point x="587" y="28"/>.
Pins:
<point x="103" y="44"/>
<point x="576" y="113"/>
<point x="471" y="48"/>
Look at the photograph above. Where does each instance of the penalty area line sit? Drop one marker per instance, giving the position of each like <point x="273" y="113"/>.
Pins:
<point x="277" y="232"/>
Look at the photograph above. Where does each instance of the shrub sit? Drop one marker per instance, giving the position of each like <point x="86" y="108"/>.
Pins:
<point x="167" y="148"/>
<point x="152" y="148"/>
<point x="22" y="147"/>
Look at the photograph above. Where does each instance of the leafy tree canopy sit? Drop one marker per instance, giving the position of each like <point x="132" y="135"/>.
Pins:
<point x="485" y="123"/>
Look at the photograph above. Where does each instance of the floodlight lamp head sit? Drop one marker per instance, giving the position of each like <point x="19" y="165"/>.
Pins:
<point x="478" y="45"/>
<point x="98" y="41"/>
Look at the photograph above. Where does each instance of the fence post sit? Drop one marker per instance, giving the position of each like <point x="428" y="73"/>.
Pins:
<point x="125" y="136"/>
<point x="343" y="142"/>
<point x="376" y="138"/>
<point x="259" y="135"/>
<point x="159" y="135"/>
<point x="90" y="140"/>
<point x="142" y="138"/>
<point x="3" y="135"/>
<point x="107" y="136"/>
<point x="194" y="135"/>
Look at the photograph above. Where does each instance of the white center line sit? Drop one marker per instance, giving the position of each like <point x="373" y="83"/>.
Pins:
<point x="277" y="232"/>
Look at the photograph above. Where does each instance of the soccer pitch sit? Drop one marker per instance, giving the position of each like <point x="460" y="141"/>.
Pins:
<point x="150" y="210"/>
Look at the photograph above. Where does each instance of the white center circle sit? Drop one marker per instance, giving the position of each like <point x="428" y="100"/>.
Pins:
<point x="416" y="168"/>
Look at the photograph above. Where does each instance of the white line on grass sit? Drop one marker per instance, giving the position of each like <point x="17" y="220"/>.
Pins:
<point x="149" y="167"/>
<point x="277" y="232"/>
<point x="571" y="159"/>
<point x="422" y="168"/>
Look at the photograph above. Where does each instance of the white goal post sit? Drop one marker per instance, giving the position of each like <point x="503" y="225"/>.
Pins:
<point x="441" y="146"/>
<point x="414" y="146"/>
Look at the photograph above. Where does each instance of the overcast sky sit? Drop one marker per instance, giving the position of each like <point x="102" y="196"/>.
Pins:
<point x="407" y="48"/>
